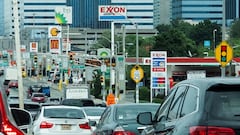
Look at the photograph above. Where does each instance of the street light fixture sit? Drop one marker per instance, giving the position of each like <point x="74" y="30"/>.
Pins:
<point x="214" y="38"/>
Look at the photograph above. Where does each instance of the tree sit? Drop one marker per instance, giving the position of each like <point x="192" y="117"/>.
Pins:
<point x="234" y="30"/>
<point x="204" y="31"/>
<point x="175" y="43"/>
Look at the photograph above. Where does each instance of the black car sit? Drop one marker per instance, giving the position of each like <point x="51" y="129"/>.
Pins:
<point x="31" y="107"/>
<point x="120" y="119"/>
<point x="208" y="106"/>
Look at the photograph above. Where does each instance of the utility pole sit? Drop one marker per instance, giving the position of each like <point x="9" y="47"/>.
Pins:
<point x="17" y="43"/>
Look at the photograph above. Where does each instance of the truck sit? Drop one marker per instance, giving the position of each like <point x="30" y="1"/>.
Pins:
<point x="10" y="73"/>
<point x="77" y="91"/>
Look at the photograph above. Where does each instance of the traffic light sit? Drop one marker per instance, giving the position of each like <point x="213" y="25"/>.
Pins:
<point x="70" y="57"/>
<point x="102" y="80"/>
<point x="35" y="59"/>
<point x="223" y="53"/>
<point x="113" y="62"/>
<point x="53" y="61"/>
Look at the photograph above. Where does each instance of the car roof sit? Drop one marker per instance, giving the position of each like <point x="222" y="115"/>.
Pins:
<point x="61" y="106"/>
<point x="135" y="104"/>
<point x="205" y="83"/>
<point x="93" y="107"/>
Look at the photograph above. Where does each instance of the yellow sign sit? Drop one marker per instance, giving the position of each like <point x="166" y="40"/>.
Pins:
<point x="224" y="53"/>
<point x="137" y="73"/>
<point x="54" y="31"/>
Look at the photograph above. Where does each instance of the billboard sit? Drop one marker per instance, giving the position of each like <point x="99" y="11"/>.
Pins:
<point x="111" y="12"/>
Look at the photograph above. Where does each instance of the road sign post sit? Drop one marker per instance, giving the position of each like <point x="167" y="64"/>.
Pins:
<point x="223" y="54"/>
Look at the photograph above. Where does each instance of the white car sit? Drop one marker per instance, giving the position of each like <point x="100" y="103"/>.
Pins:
<point x="61" y="120"/>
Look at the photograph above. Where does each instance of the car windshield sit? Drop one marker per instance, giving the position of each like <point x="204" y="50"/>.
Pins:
<point x="78" y="102"/>
<point x="225" y="105"/>
<point x="64" y="113"/>
<point x="130" y="112"/>
<point x="38" y="95"/>
<point x="94" y="111"/>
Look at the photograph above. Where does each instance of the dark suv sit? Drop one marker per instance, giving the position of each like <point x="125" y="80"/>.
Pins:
<point x="209" y="106"/>
<point x="78" y="102"/>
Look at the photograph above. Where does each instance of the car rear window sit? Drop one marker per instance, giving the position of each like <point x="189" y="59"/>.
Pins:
<point x="225" y="104"/>
<point x="131" y="112"/>
<point x="64" y="113"/>
<point x="78" y="102"/>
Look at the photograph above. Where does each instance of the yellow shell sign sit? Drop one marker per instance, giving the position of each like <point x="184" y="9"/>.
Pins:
<point x="54" y="32"/>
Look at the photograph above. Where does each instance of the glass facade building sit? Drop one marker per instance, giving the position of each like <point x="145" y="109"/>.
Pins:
<point x="138" y="11"/>
<point x="198" y="10"/>
<point x="40" y="13"/>
<point x="1" y="18"/>
<point x="85" y="13"/>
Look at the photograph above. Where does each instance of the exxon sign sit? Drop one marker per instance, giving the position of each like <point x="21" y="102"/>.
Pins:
<point x="111" y="13"/>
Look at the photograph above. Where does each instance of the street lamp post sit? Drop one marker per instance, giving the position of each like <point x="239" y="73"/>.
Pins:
<point x="214" y="38"/>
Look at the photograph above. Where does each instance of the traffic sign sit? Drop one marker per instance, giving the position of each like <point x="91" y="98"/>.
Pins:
<point x="224" y="53"/>
<point x="137" y="73"/>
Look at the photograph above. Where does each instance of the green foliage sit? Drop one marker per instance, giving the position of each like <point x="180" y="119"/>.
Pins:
<point x="96" y="90"/>
<point x="234" y="31"/>
<point x="204" y="31"/>
<point x="175" y="43"/>
<point x="144" y="93"/>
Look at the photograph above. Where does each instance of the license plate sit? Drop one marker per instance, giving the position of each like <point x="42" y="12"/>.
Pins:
<point x="66" y="127"/>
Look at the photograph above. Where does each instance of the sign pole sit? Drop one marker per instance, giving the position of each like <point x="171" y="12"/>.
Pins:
<point x="223" y="69"/>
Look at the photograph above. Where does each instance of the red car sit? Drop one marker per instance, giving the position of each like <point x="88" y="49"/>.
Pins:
<point x="38" y="97"/>
<point x="14" y="121"/>
<point x="13" y="84"/>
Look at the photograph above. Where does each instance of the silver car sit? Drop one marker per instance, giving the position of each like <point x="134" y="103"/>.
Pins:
<point x="61" y="120"/>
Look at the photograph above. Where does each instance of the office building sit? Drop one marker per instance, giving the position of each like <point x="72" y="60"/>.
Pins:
<point x="85" y="13"/>
<point x="162" y="12"/>
<point x="1" y="18"/>
<point x="138" y="11"/>
<point x="41" y="13"/>
<point x="195" y="11"/>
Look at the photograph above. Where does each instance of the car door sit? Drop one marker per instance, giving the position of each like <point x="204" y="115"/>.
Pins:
<point x="104" y="120"/>
<point x="168" y="114"/>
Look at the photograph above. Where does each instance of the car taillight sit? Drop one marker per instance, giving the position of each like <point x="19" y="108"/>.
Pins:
<point x="46" y="124"/>
<point x="84" y="126"/>
<point x="120" y="131"/>
<point x="9" y="129"/>
<point x="210" y="130"/>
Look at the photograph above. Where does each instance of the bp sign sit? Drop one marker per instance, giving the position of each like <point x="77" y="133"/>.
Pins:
<point x="103" y="53"/>
<point x="224" y="53"/>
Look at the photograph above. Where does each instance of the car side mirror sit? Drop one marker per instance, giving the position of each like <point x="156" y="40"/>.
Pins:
<point x="144" y="118"/>
<point x="92" y="123"/>
<point x="22" y="118"/>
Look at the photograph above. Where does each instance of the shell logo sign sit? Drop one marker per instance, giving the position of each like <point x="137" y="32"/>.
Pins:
<point x="54" y="32"/>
